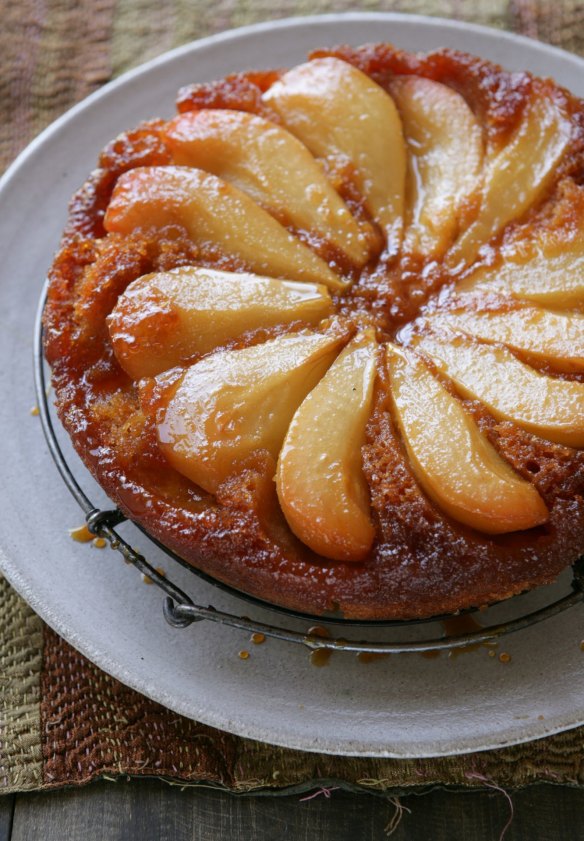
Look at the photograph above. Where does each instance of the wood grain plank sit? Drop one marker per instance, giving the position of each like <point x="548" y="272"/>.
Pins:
<point x="6" y="809"/>
<point x="149" y="809"/>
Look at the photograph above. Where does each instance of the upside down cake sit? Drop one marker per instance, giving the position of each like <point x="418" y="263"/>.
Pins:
<point x="321" y="333"/>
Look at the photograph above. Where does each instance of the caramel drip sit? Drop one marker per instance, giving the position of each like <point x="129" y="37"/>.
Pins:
<point x="81" y="534"/>
<point x="371" y="656"/>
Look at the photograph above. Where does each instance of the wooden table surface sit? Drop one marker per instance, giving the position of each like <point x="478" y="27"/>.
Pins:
<point x="141" y="810"/>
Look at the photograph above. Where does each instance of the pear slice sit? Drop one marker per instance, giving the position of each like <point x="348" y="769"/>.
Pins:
<point x="452" y="460"/>
<point x="548" y="407"/>
<point x="213" y="211"/>
<point x="445" y="146"/>
<point x="517" y="177"/>
<point x="163" y="319"/>
<point x="339" y="112"/>
<point x="236" y="401"/>
<point x="553" y="277"/>
<point x="544" y="336"/>
<point x="321" y="487"/>
<point x="274" y="168"/>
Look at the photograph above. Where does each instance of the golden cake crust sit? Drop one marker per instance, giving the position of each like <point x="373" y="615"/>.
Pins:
<point x="422" y="563"/>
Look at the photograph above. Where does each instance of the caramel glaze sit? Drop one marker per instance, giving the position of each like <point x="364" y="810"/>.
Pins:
<point x="422" y="563"/>
<point x="81" y="534"/>
<point x="372" y="656"/>
<point x="320" y="656"/>
<point x="458" y="626"/>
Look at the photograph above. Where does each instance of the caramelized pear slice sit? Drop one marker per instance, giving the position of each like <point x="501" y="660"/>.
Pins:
<point x="445" y="148"/>
<point x="548" y="407"/>
<point x="320" y="479"/>
<point x="163" y="319"/>
<point x="339" y="112"/>
<point x="544" y="336"/>
<point x="554" y="277"/>
<point x="213" y="211"/>
<point x="274" y="168"/>
<point x="452" y="460"/>
<point x="236" y="401"/>
<point x="516" y="177"/>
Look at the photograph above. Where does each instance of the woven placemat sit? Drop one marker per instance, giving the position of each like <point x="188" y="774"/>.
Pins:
<point x="62" y="720"/>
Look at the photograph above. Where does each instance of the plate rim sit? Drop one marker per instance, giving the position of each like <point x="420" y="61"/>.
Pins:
<point x="106" y="660"/>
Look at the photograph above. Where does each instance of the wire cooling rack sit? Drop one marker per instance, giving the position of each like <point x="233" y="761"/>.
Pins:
<point x="180" y="611"/>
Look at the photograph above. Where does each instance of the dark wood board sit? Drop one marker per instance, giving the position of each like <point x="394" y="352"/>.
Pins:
<point x="149" y="809"/>
<point x="6" y="808"/>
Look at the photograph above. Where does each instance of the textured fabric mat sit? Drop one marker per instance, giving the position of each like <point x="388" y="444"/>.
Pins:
<point x="62" y="720"/>
<point x="55" y="52"/>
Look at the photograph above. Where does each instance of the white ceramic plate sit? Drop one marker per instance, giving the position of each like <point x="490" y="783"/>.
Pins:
<point x="404" y="706"/>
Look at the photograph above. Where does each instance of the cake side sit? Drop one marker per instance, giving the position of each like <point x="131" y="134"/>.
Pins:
<point x="422" y="561"/>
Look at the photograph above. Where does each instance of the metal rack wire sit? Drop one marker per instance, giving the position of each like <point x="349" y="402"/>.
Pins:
<point x="180" y="611"/>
